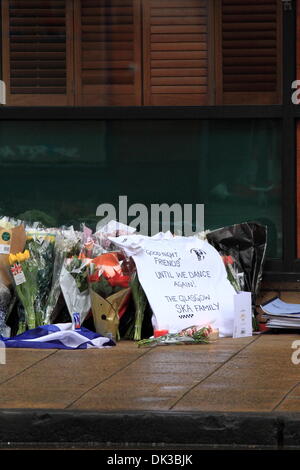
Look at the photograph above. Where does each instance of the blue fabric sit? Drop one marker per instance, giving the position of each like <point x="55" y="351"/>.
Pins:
<point x="59" y="336"/>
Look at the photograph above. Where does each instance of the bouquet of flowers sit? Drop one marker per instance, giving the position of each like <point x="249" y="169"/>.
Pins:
<point x="234" y="276"/>
<point x="90" y="246"/>
<point x="140" y="302"/>
<point x="40" y="244"/>
<point x="5" y="299"/>
<point x="74" y="285"/>
<point x="191" y="335"/>
<point x="112" y="229"/>
<point x="12" y="240"/>
<point x="109" y="285"/>
<point x="67" y="244"/>
<point x="237" y="280"/>
<point x="25" y="270"/>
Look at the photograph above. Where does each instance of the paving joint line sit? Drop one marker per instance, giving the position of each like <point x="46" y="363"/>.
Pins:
<point x="28" y="367"/>
<point x="285" y="396"/>
<point x="107" y="378"/>
<point x="211" y="373"/>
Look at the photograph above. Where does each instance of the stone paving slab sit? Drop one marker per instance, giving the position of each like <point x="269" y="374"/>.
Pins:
<point x="18" y="360"/>
<point x="243" y="381"/>
<point x="60" y="376"/>
<point x="123" y="377"/>
<point x="245" y="374"/>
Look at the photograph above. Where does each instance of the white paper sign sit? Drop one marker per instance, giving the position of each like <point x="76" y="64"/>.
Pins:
<point x="18" y="274"/>
<point x="242" y="315"/>
<point x="4" y="249"/>
<point x="184" y="279"/>
<point x="19" y="278"/>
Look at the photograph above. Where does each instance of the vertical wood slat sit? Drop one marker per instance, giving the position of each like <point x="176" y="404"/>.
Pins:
<point x="146" y="54"/>
<point x="175" y="70"/>
<point x="218" y="58"/>
<point x="70" y="32"/>
<point x="279" y="47"/>
<point x="5" y="47"/>
<point x="298" y="183"/>
<point x="25" y="84"/>
<point x="77" y="53"/>
<point x="107" y="70"/>
<point x="298" y="131"/>
<point x="298" y="40"/>
<point x="211" y="45"/>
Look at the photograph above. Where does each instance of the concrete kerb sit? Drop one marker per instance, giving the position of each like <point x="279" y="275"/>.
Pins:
<point x="146" y="429"/>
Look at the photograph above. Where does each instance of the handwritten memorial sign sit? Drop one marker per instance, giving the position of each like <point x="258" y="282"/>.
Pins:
<point x="184" y="279"/>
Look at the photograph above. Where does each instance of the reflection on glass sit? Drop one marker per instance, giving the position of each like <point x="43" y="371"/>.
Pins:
<point x="68" y="169"/>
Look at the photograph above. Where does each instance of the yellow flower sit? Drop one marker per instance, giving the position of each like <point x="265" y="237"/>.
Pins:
<point x="20" y="257"/>
<point x="12" y="259"/>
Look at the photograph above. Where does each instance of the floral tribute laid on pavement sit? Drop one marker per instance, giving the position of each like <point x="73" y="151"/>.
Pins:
<point x="63" y="288"/>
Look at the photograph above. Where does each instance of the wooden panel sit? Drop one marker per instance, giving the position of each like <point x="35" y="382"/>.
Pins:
<point x="298" y="183"/>
<point x="298" y="187"/>
<point x="87" y="52"/>
<point x="108" y="52"/>
<point x="175" y="54"/>
<point x="298" y="41"/>
<point x="37" y="59"/>
<point x="248" y="41"/>
<point x="298" y="131"/>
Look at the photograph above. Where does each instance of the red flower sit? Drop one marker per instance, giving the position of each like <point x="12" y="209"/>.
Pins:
<point x="227" y="259"/>
<point x="94" y="277"/>
<point x="119" y="280"/>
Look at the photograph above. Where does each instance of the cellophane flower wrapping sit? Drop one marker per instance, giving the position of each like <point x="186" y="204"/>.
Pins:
<point x="25" y="271"/>
<point x="40" y="243"/>
<point x="109" y="284"/>
<point x="235" y="277"/>
<point x="67" y="244"/>
<point x="90" y="246"/>
<point x="5" y="299"/>
<point x="112" y="229"/>
<point x="74" y="286"/>
<point x="140" y="303"/>
<point x="246" y="243"/>
<point x="195" y="334"/>
<point x="12" y="240"/>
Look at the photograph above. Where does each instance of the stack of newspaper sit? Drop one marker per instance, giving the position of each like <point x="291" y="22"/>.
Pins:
<point x="281" y="314"/>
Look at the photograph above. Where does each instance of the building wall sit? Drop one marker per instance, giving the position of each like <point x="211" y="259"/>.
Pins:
<point x="213" y="122"/>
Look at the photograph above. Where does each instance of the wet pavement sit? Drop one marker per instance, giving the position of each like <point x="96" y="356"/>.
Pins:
<point x="234" y="392"/>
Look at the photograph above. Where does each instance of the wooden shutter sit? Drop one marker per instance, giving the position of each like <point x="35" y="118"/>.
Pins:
<point x="248" y="41"/>
<point x="298" y="186"/>
<point x="37" y="52"/>
<point x="175" y="36"/>
<point x="108" y="52"/>
<point x="298" y="129"/>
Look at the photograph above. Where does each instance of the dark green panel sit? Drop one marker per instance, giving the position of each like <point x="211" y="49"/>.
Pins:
<point x="67" y="169"/>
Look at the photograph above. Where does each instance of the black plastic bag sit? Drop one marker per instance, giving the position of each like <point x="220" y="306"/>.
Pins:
<point x="246" y="243"/>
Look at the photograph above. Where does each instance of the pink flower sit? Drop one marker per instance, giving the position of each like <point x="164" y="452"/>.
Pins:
<point x="189" y="332"/>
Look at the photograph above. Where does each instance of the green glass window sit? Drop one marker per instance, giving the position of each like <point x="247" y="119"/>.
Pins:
<point x="67" y="169"/>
